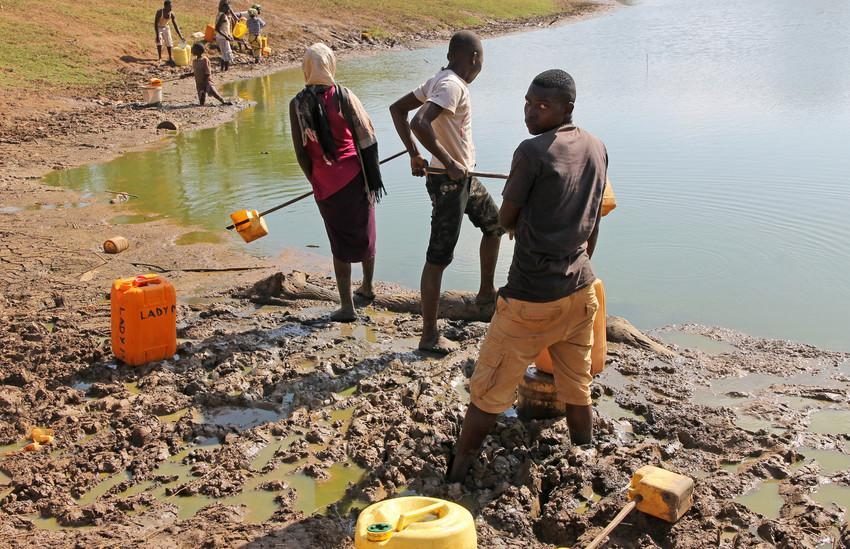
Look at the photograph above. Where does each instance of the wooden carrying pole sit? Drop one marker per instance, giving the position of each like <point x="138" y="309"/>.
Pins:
<point x="488" y="175"/>
<point x="597" y="541"/>
<point x="302" y="197"/>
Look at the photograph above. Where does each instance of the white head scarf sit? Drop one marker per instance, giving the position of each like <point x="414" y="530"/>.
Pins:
<point x="319" y="65"/>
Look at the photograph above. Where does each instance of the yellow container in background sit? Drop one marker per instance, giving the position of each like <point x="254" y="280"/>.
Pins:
<point x="252" y="230"/>
<point x="182" y="54"/>
<point x="415" y="523"/>
<point x="240" y="29"/>
<point x="609" y="199"/>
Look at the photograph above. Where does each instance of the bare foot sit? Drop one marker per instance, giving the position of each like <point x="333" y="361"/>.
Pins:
<point x="439" y="345"/>
<point x="344" y="315"/>
<point x="366" y="294"/>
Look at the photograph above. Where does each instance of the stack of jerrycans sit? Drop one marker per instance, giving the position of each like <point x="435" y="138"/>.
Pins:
<point x="144" y="319"/>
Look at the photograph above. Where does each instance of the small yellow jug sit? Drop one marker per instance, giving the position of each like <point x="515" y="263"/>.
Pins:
<point x="414" y="523"/>
<point x="255" y="227"/>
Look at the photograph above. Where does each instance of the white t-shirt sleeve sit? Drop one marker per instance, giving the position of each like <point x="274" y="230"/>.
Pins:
<point x="446" y="94"/>
<point x="421" y="93"/>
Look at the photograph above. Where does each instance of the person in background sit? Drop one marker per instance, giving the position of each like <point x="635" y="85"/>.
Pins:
<point x="337" y="150"/>
<point x="161" y="21"/>
<point x="224" y="6"/>
<point x="443" y="125"/>
<point x="255" y="28"/>
<point x="203" y="76"/>
<point x="223" y="33"/>
<point x="552" y="205"/>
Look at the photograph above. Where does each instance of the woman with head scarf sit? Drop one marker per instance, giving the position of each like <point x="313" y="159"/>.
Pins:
<point x="336" y="148"/>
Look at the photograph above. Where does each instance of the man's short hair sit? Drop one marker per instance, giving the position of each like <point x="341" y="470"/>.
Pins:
<point x="556" y="79"/>
<point x="464" y="42"/>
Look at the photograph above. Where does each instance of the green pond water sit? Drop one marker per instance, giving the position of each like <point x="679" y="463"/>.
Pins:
<point x="726" y="124"/>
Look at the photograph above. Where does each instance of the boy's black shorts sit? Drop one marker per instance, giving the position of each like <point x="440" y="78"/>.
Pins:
<point x="450" y="200"/>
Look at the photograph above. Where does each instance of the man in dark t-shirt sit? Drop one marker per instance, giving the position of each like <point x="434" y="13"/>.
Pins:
<point x="552" y="206"/>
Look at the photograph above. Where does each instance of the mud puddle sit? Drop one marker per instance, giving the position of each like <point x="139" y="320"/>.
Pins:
<point x="688" y="340"/>
<point x="763" y="499"/>
<point x="830" y="461"/>
<point x="233" y="416"/>
<point x="830" y="422"/>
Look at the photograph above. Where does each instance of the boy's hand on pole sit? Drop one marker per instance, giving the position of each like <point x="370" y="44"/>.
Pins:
<point x="455" y="171"/>
<point x="418" y="165"/>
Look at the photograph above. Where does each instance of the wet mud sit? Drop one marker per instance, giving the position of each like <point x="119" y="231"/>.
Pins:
<point x="272" y="426"/>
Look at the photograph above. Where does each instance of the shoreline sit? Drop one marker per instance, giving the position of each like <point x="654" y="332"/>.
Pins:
<point x="103" y="129"/>
<point x="180" y="92"/>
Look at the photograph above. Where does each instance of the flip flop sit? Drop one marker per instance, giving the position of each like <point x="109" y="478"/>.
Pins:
<point x="443" y="346"/>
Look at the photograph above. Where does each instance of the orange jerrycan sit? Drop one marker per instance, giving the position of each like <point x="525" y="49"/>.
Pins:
<point x="609" y="199"/>
<point x="209" y="33"/>
<point x="249" y="225"/>
<point x="144" y="319"/>
<point x="599" y="352"/>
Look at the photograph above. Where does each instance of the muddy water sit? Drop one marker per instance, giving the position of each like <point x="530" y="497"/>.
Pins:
<point x="726" y="124"/>
<point x="764" y="499"/>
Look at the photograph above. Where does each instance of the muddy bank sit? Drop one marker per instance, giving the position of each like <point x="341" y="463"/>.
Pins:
<point x="269" y="414"/>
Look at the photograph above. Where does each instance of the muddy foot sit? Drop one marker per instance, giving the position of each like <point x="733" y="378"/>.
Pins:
<point x="439" y="345"/>
<point x="344" y="315"/>
<point x="365" y="295"/>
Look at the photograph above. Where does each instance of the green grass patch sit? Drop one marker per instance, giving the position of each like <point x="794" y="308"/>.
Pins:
<point x="51" y="61"/>
<point x="80" y="42"/>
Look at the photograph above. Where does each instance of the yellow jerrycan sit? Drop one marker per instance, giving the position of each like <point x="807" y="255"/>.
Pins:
<point x="240" y="29"/>
<point x="415" y="522"/>
<point x="661" y="493"/>
<point x="249" y="225"/>
<point x="182" y="54"/>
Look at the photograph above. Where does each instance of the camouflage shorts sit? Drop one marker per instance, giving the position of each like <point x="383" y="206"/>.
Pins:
<point x="450" y="200"/>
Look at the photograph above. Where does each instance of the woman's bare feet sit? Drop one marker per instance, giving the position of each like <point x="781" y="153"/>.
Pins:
<point x="344" y="314"/>
<point x="365" y="293"/>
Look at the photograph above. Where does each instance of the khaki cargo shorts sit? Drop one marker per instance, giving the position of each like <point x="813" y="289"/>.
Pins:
<point x="518" y="332"/>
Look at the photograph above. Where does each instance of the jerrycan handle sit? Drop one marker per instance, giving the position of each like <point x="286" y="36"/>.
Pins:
<point x="439" y="508"/>
<point x="144" y="280"/>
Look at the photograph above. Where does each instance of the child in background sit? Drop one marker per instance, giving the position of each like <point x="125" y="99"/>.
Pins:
<point x="161" y="21"/>
<point x="203" y="76"/>
<point x="255" y="27"/>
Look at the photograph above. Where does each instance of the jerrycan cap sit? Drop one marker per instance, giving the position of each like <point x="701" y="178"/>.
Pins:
<point x="144" y="280"/>
<point x="379" y="531"/>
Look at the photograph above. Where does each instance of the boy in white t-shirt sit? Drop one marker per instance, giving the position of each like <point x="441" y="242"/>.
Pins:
<point x="443" y="124"/>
